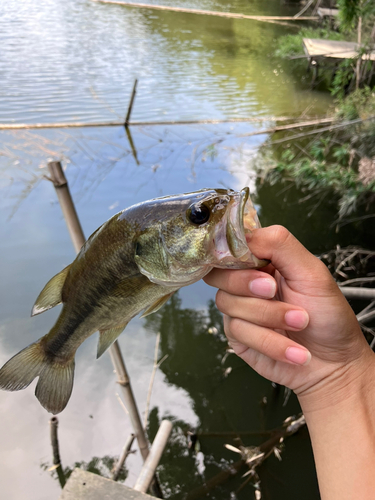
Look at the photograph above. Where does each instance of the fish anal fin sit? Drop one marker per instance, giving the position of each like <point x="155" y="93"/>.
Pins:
<point x="50" y="296"/>
<point x="155" y="306"/>
<point x="107" y="337"/>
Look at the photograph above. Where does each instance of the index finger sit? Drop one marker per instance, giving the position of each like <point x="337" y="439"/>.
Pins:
<point x="243" y="282"/>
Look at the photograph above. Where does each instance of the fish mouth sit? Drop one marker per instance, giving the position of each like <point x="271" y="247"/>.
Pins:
<point x="241" y="221"/>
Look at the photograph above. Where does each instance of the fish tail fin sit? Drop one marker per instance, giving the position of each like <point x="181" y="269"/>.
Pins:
<point x="55" y="379"/>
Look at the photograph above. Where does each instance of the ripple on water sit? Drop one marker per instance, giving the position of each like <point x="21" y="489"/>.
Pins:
<point x="78" y="60"/>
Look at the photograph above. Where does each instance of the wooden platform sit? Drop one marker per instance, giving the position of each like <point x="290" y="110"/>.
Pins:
<point x="83" y="485"/>
<point x="327" y="12"/>
<point x="315" y="47"/>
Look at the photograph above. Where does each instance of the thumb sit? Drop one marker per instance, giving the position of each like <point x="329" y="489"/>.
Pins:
<point x="293" y="261"/>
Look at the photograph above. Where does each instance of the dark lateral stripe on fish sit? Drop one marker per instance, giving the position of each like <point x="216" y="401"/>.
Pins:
<point x="66" y="328"/>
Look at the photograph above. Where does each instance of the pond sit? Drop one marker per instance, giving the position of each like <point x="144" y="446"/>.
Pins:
<point x="77" y="61"/>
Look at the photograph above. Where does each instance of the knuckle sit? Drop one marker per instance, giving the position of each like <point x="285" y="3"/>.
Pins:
<point x="281" y="234"/>
<point x="266" y="343"/>
<point x="235" y="326"/>
<point x="263" y="312"/>
<point x="220" y="300"/>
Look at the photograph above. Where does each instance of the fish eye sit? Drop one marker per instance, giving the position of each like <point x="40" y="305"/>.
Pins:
<point x="198" y="214"/>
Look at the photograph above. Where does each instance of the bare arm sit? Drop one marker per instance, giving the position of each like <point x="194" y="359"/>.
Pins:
<point x="291" y="324"/>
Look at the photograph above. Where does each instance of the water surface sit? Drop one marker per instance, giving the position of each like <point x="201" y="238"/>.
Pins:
<point x="76" y="60"/>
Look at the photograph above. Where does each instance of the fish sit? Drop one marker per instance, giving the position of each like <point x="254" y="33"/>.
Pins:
<point x="133" y="263"/>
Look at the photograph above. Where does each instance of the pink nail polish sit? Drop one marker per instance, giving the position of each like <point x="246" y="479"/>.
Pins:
<point x="297" y="319"/>
<point x="263" y="287"/>
<point x="298" y="355"/>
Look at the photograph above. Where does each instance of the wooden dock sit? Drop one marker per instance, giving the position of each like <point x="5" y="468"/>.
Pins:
<point x="315" y="48"/>
<point x="323" y="13"/>
<point x="83" y="485"/>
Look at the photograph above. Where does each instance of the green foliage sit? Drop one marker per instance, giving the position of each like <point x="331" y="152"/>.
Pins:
<point x="343" y="78"/>
<point x="358" y="104"/>
<point x="351" y="10"/>
<point x="329" y="164"/>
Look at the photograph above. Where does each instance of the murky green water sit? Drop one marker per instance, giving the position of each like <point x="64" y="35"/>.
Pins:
<point x="77" y="60"/>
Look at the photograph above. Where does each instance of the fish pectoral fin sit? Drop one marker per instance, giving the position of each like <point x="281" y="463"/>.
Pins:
<point x="155" y="306"/>
<point x="107" y="337"/>
<point x="50" y="296"/>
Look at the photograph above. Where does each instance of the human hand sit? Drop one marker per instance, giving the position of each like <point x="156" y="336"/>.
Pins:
<point x="289" y="321"/>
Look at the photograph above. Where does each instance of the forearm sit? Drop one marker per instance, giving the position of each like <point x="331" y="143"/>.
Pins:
<point x="342" y="430"/>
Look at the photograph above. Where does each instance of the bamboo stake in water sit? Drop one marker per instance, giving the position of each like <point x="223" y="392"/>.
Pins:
<point x="75" y="230"/>
<point x="153" y="459"/>
<point x="127" y="119"/>
<point x="54" y="422"/>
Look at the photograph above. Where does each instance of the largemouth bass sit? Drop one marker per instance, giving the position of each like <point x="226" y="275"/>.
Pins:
<point x="134" y="262"/>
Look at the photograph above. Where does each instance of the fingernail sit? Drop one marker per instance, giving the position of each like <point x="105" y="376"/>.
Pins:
<point x="298" y="355"/>
<point x="297" y="319"/>
<point x="263" y="287"/>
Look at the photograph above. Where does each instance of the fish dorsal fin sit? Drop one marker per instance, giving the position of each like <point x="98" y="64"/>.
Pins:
<point x="50" y="296"/>
<point x="107" y="337"/>
<point x="155" y="306"/>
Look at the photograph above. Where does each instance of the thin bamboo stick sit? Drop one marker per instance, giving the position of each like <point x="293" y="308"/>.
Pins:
<point x="75" y="230"/>
<point x="232" y="15"/>
<point x="124" y="454"/>
<point x="153" y="459"/>
<point x="22" y="126"/>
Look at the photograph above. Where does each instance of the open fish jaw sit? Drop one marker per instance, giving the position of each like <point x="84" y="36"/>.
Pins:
<point x="233" y="232"/>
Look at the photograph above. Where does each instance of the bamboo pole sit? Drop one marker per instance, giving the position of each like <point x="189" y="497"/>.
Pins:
<point x="153" y="459"/>
<point x="60" y="183"/>
<point x="22" y="126"/>
<point x="358" y="65"/>
<point x="54" y="423"/>
<point x="127" y="119"/>
<point x="210" y="13"/>
<point x="123" y="456"/>
<point x="290" y="126"/>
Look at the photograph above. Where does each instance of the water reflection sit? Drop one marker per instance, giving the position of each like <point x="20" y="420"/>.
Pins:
<point x="102" y="466"/>
<point x="232" y="401"/>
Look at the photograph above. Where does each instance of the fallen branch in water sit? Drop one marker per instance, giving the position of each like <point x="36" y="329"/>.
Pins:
<point x="252" y="456"/>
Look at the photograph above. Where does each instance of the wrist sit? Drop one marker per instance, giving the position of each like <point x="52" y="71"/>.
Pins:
<point x="342" y="387"/>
